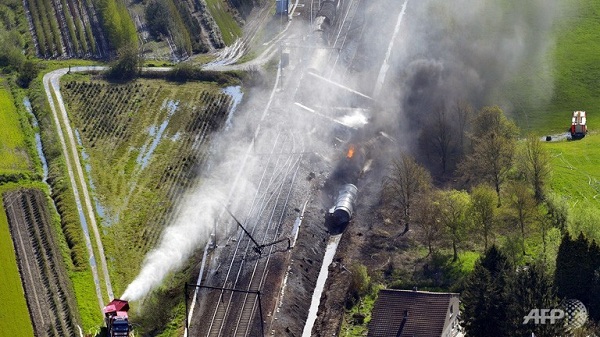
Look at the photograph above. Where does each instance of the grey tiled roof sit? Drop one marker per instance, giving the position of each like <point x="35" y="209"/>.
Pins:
<point x="427" y="313"/>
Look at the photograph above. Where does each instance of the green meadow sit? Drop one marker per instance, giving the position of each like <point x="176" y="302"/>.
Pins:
<point x="571" y="74"/>
<point x="575" y="164"/>
<point x="13" y="148"/>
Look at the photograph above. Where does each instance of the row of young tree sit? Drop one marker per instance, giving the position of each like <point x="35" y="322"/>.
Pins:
<point x="12" y="57"/>
<point x="499" y="189"/>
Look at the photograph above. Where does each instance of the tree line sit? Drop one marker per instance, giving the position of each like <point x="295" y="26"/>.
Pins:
<point x="499" y="296"/>
<point x="497" y="190"/>
<point x="499" y="186"/>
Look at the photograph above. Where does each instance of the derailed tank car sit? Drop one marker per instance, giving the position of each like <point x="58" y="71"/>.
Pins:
<point x="325" y="18"/>
<point x="341" y="213"/>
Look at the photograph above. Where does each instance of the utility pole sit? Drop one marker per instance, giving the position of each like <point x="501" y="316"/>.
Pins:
<point x="257" y="293"/>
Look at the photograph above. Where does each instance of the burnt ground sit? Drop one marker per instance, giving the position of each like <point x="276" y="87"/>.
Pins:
<point x="43" y="275"/>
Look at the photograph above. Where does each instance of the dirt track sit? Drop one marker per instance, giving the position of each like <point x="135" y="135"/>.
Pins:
<point x="42" y="273"/>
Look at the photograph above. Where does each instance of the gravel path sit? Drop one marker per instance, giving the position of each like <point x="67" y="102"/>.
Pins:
<point x="76" y="176"/>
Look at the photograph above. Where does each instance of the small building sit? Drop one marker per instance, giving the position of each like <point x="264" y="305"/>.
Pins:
<point x="411" y="313"/>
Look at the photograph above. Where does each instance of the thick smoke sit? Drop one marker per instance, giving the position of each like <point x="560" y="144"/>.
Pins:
<point x="480" y="52"/>
<point x="468" y="52"/>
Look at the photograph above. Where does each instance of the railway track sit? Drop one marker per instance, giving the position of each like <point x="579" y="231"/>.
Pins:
<point x="42" y="275"/>
<point x="242" y="274"/>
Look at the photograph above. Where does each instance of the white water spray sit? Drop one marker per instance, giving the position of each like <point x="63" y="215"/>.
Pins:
<point x="190" y="231"/>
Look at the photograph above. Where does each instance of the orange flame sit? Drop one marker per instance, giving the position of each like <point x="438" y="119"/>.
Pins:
<point x="350" y="151"/>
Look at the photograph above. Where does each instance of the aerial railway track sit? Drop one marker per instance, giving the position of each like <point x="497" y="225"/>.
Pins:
<point x="234" y="309"/>
<point x="237" y="274"/>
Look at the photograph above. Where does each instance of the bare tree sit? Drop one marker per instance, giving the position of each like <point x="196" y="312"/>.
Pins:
<point x="463" y="112"/>
<point x="402" y="187"/>
<point x="441" y="136"/>
<point x="493" y="139"/>
<point x="534" y="164"/>
<point x="428" y="220"/>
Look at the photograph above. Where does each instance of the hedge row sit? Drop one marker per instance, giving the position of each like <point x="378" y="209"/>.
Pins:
<point x="117" y="23"/>
<point x="62" y="193"/>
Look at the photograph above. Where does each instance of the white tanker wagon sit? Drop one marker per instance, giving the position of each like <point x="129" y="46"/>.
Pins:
<point x="341" y="213"/>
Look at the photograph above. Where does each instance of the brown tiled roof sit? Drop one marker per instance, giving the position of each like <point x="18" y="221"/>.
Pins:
<point x="427" y="313"/>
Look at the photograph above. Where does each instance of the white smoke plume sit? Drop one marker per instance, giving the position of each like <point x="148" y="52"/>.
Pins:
<point x="193" y="224"/>
<point x="447" y="51"/>
<point x="190" y="231"/>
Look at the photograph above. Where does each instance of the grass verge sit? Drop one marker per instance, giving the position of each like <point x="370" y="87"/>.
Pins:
<point x="14" y="156"/>
<point x="230" y="30"/>
<point x="576" y="180"/>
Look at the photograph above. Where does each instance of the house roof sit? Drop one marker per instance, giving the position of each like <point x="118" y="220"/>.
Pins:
<point x="427" y="313"/>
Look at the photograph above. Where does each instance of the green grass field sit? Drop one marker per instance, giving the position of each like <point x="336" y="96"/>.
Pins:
<point x="13" y="149"/>
<point x="576" y="178"/>
<point x="14" y="320"/>
<point x="230" y="30"/>
<point x="574" y="73"/>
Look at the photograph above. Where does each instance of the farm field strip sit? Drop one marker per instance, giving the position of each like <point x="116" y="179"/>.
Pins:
<point x="13" y="150"/>
<point x="65" y="28"/>
<point x="43" y="276"/>
<point x="15" y="322"/>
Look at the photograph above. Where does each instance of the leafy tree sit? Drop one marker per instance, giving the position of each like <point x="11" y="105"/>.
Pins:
<point x="454" y="206"/>
<point x="483" y="211"/>
<point x="486" y="298"/>
<point x="403" y="187"/>
<point x="557" y="211"/>
<point x="27" y="72"/>
<point x="577" y="273"/>
<point x="360" y="283"/>
<point x="493" y="141"/>
<point x="117" y="23"/>
<point x="157" y="17"/>
<point x="523" y="207"/>
<point x="127" y="66"/>
<point x="182" y="72"/>
<point x="11" y="53"/>
<point x="164" y="18"/>
<point x="594" y="293"/>
<point x="573" y="273"/>
<point x="534" y="163"/>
